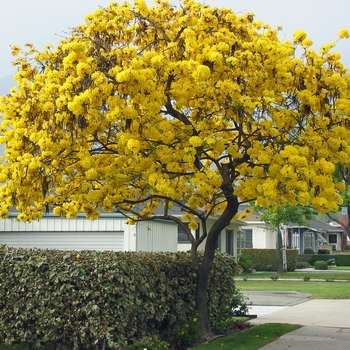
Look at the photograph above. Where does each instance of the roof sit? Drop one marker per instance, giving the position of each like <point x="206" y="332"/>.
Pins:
<point x="317" y="226"/>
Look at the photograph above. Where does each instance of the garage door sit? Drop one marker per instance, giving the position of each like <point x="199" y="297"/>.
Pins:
<point x="73" y="240"/>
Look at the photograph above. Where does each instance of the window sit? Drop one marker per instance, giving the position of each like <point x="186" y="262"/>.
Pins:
<point x="247" y="238"/>
<point x="295" y="240"/>
<point x="332" y="238"/>
<point x="229" y="242"/>
<point x="182" y="236"/>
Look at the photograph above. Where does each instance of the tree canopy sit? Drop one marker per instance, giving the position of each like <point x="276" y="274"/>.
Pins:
<point x="191" y="104"/>
<point x="143" y="107"/>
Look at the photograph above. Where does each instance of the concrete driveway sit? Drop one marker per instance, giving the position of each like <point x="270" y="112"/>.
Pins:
<point x="326" y="321"/>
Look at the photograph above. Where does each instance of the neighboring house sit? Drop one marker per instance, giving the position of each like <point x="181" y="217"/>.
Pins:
<point x="227" y="241"/>
<point x="109" y="232"/>
<point x="256" y="234"/>
<point x="314" y="235"/>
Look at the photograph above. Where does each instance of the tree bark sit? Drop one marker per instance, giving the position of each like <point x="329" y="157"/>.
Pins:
<point x="203" y="269"/>
<point x="279" y="255"/>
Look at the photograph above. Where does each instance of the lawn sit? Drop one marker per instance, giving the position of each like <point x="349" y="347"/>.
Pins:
<point x="318" y="274"/>
<point x="250" y="339"/>
<point x="319" y="290"/>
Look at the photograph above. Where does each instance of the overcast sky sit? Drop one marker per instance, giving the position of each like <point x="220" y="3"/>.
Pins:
<point x="43" y="21"/>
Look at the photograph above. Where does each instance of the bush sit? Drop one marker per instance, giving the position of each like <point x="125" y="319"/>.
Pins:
<point x="323" y="251"/>
<point x="331" y="262"/>
<point x="275" y="277"/>
<point x="84" y="299"/>
<point x="245" y="263"/>
<point x="306" y="278"/>
<point x="302" y="265"/>
<point x="308" y="251"/>
<point x="265" y="259"/>
<point x="340" y="260"/>
<point x="321" y="265"/>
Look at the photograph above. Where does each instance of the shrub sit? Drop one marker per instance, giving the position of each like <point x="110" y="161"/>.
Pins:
<point x="323" y="251"/>
<point x="340" y="260"/>
<point x="245" y="263"/>
<point x="331" y="262"/>
<point x="302" y="265"/>
<point x="275" y="277"/>
<point x="308" y="251"/>
<point x="321" y="265"/>
<point x="306" y="278"/>
<point x="185" y="334"/>
<point x="83" y="299"/>
<point x="265" y="259"/>
<point x="154" y="343"/>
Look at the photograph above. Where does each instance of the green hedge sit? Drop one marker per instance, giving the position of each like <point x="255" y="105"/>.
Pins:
<point x="265" y="259"/>
<point x="81" y="299"/>
<point x="321" y="265"/>
<point x="340" y="260"/>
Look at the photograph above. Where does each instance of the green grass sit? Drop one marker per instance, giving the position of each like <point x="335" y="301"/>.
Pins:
<point x="319" y="290"/>
<point x="344" y="276"/>
<point x="250" y="339"/>
<point x="339" y="268"/>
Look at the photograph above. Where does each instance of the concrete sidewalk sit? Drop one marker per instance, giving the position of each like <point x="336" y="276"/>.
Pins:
<point x="326" y="321"/>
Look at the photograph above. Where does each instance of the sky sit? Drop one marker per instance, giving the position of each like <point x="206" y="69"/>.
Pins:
<point x="43" y="22"/>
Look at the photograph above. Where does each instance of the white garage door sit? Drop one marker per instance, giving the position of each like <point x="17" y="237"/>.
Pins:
<point x="73" y="240"/>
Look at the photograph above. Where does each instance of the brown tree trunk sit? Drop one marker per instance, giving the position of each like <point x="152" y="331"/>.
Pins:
<point x="279" y="253"/>
<point x="203" y="269"/>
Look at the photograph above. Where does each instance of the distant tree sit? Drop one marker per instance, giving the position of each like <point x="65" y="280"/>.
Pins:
<point x="143" y="107"/>
<point x="279" y="216"/>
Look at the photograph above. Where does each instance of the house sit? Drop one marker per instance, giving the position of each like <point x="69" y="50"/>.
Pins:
<point x="314" y="235"/>
<point x="227" y="241"/>
<point x="108" y="232"/>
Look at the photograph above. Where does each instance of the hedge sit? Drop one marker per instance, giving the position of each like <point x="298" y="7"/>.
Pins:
<point x="83" y="299"/>
<point x="340" y="260"/>
<point x="265" y="259"/>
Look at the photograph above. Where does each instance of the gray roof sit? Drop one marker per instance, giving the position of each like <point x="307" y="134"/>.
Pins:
<point x="317" y="226"/>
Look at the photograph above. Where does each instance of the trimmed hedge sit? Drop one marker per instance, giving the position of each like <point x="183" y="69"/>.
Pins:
<point x="265" y="259"/>
<point x="340" y="260"/>
<point x="82" y="299"/>
<point x="321" y="265"/>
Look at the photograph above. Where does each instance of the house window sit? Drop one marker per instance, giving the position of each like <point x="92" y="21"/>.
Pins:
<point x="229" y="242"/>
<point x="247" y="238"/>
<point x="182" y="236"/>
<point x="332" y="238"/>
<point x="295" y="239"/>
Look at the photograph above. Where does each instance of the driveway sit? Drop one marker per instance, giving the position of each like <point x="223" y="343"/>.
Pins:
<point x="326" y="321"/>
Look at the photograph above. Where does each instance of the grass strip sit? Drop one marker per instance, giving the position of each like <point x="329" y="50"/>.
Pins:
<point x="319" y="290"/>
<point x="250" y="339"/>
<point x="344" y="276"/>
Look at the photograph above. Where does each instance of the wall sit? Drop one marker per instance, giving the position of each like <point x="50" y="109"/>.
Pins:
<point x="106" y="233"/>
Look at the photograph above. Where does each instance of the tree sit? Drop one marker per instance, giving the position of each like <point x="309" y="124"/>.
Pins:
<point x="279" y="216"/>
<point x="342" y="173"/>
<point x="146" y="107"/>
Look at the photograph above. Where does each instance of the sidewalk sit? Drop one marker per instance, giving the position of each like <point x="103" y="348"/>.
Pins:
<point x="326" y="321"/>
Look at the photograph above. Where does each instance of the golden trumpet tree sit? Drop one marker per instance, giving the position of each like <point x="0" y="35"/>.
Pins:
<point x="150" y="106"/>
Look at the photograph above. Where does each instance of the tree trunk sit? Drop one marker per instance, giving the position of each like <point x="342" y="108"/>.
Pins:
<point x="203" y="269"/>
<point x="202" y="301"/>
<point x="279" y="252"/>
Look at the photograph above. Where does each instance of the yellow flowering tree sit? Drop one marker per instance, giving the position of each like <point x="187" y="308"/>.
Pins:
<point x="144" y="107"/>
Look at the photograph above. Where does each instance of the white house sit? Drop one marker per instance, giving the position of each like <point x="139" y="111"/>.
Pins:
<point x="109" y="232"/>
<point x="227" y="241"/>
